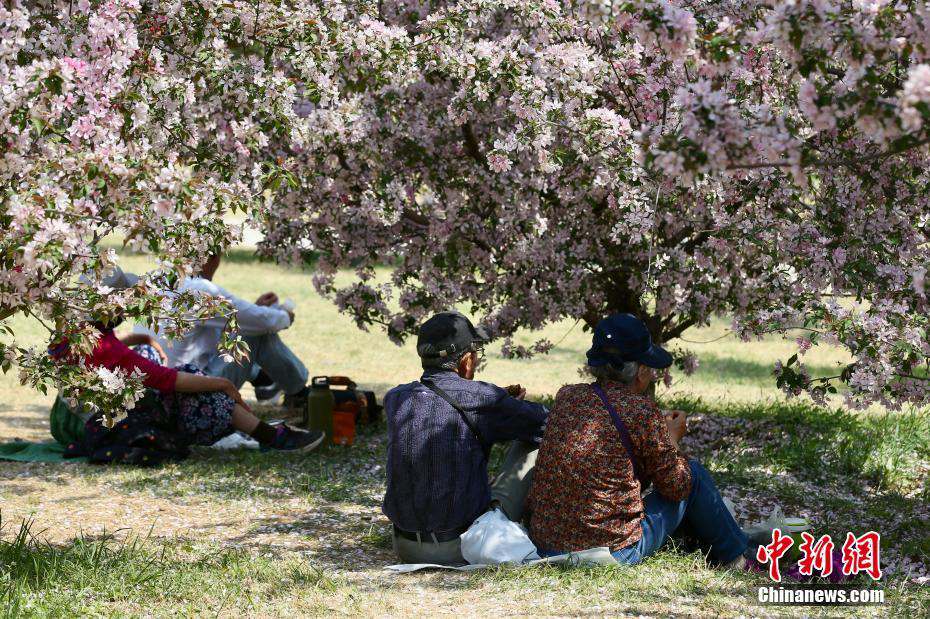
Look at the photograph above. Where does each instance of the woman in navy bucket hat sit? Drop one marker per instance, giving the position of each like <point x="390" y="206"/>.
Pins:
<point x="607" y="441"/>
<point x="622" y="338"/>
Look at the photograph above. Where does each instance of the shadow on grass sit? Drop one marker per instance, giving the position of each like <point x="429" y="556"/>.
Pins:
<point x="336" y="538"/>
<point x="30" y="416"/>
<point x="835" y="508"/>
<point x="851" y="472"/>
<point x="12" y="488"/>
<point x="34" y="409"/>
<point x="57" y="473"/>
<point x="888" y="450"/>
<point x="18" y="420"/>
<point x="742" y="371"/>
<point x="330" y="474"/>
<point x="24" y="422"/>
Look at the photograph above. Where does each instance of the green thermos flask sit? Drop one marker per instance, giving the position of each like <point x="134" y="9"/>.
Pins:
<point x="320" y="404"/>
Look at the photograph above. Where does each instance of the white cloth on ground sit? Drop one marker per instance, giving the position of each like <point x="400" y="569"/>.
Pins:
<point x="236" y="440"/>
<point x="592" y="556"/>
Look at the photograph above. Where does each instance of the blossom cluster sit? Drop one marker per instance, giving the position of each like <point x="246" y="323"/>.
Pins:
<point x="544" y="160"/>
<point x="110" y="129"/>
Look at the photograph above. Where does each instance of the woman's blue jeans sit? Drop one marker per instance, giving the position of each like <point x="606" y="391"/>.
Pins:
<point x="703" y="514"/>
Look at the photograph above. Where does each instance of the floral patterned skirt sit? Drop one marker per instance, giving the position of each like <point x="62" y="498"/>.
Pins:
<point x="204" y="417"/>
<point x="161" y="427"/>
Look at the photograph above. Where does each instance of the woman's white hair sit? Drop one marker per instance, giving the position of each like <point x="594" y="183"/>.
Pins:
<point x="625" y="374"/>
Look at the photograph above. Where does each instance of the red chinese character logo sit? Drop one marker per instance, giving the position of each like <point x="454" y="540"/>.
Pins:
<point x="861" y="554"/>
<point x="771" y="553"/>
<point x="819" y="555"/>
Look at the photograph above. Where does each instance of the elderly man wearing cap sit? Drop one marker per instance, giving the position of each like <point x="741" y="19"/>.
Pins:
<point x="440" y="432"/>
<point x="608" y="441"/>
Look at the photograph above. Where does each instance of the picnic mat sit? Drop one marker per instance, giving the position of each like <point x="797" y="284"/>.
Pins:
<point x="65" y="427"/>
<point x="25" y="451"/>
<point x="53" y="451"/>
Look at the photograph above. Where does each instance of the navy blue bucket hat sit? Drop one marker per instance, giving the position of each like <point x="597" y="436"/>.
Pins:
<point x="620" y="338"/>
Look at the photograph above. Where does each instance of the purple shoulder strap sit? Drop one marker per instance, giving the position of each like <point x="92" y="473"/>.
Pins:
<point x="621" y="428"/>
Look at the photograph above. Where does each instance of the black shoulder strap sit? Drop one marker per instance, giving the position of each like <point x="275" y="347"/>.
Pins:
<point x="485" y="447"/>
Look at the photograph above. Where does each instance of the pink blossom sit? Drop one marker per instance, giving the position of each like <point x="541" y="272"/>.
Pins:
<point x="916" y="91"/>
<point x="499" y="162"/>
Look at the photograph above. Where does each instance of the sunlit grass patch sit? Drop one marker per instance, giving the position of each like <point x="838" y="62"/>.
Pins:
<point x="888" y="449"/>
<point x="106" y="575"/>
<point x="669" y="583"/>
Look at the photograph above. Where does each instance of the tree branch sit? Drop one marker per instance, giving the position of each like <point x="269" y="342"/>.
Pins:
<point x="471" y="146"/>
<point x="829" y="163"/>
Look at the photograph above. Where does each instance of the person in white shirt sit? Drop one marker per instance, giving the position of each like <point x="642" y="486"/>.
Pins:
<point x="259" y="325"/>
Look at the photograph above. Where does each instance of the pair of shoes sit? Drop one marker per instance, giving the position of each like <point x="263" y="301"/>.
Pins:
<point x="265" y="386"/>
<point x="263" y="393"/>
<point x="296" y="402"/>
<point x="836" y="576"/>
<point x="289" y="439"/>
<point x="793" y="572"/>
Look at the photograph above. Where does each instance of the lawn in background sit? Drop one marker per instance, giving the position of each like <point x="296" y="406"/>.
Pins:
<point x="845" y="471"/>
<point x="330" y="343"/>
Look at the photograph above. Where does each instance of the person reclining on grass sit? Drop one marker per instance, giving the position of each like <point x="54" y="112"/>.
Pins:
<point x="271" y="366"/>
<point x="587" y="489"/>
<point x="440" y="432"/>
<point x="181" y="407"/>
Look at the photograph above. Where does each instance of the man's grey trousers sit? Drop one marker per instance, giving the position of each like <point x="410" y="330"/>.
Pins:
<point x="270" y="354"/>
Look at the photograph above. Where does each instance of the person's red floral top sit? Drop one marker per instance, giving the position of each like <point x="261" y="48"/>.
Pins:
<point x="584" y="493"/>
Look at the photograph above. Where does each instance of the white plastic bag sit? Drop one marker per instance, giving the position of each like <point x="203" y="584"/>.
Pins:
<point x="776" y="520"/>
<point x="493" y="539"/>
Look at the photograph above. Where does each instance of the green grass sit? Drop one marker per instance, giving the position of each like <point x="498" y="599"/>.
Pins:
<point x="106" y="575"/>
<point x="886" y="449"/>
<point x="845" y="472"/>
<point x="669" y="584"/>
<point x="308" y="536"/>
